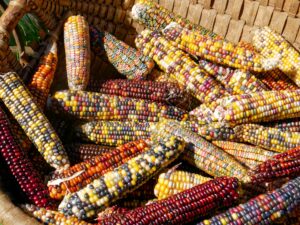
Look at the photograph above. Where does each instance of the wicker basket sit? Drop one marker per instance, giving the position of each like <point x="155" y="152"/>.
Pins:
<point x="233" y="19"/>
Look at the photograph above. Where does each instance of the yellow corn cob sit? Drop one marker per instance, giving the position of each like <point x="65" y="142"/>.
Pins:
<point x="175" y="181"/>
<point x="273" y="46"/>
<point x="77" y="47"/>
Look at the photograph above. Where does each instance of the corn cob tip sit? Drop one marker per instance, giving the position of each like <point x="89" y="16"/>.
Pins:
<point x="137" y="10"/>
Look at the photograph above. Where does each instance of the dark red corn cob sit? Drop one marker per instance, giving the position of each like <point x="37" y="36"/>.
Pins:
<point x="183" y="207"/>
<point x="286" y="164"/>
<point x="21" y="167"/>
<point x="155" y="91"/>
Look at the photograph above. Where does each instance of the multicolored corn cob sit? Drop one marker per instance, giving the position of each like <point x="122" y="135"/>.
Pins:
<point x="127" y="60"/>
<point x="21" y="167"/>
<point x="277" y="80"/>
<point x="113" y="133"/>
<point x="250" y="108"/>
<point x="81" y="152"/>
<point x="125" y="178"/>
<point x="200" y="152"/>
<point x="263" y="209"/>
<point x="291" y="125"/>
<point x="164" y="92"/>
<point x="248" y="155"/>
<point x="35" y="124"/>
<point x="77" y="48"/>
<point x="175" y="181"/>
<point x="274" y="47"/>
<point x="268" y="138"/>
<point x="180" y="66"/>
<point x="53" y="217"/>
<point x="218" y="51"/>
<point x="183" y="207"/>
<point x="286" y="164"/>
<point x="95" y="106"/>
<point x="82" y="174"/>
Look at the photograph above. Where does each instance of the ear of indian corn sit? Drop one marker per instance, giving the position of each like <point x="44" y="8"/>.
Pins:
<point x="249" y="155"/>
<point x="113" y="133"/>
<point x="96" y="106"/>
<point x="263" y="209"/>
<point x="268" y="138"/>
<point x="77" y="48"/>
<point x="249" y="108"/>
<point x="183" y="207"/>
<point x="175" y="181"/>
<point x="286" y="164"/>
<point x="21" y="167"/>
<point x="200" y="152"/>
<point x="180" y="66"/>
<point x="291" y="125"/>
<point x="125" y="178"/>
<point x="81" y="152"/>
<point x="82" y="174"/>
<point x="127" y="60"/>
<point x="218" y="51"/>
<point x="273" y="46"/>
<point x="35" y="124"/>
<point x="164" y="92"/>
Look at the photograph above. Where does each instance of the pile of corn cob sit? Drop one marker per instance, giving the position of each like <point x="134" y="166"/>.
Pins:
<point x="130" y="151"/>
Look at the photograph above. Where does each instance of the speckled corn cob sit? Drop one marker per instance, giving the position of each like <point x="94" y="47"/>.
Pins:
<point x="180" y="66"/>
<point x="277" y="80"/>
<point x="263" y="209"/>
<point x="127" y="60"/>
<point x="95" y="106"/>
<point x="82" y="174"/>
<point x="249" y="155"/>
<point x="286" y="164"/>
<point x="200" y="152"/>
<point x="273" y="46"/>
<point x="36" y="126"/>
<point x="77" y="48"/>
<point x="268" y="138"/>
<point x="183" y="207"/>
<point x="21" y="167"/>
<point x="173" y="182"/>
<point x="218" y="51"/>
<point x="153" y="91"/>
<point x="117" y="183"/>
<point x="249" y="108"/>
<point x="81" y="152"/>
<point x="291" y="125"/>
<point x="113" y="133"/>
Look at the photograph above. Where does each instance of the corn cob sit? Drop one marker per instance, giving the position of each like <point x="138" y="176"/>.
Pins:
<point x="113" y="133"/>
<point x="82" y="174"/>
<point x="95" y="106"/>
<point x="273" y="46"/>
<point x="125" y="178"/>
<point x="248" y="155"/>
<point x="249" y="108"/>
<point x="269" y="138"/>
<point x="153" y="91"/>
<point x="156" y="17"/>
<point x="235" y="81"/>
<point x="127" y="60"/>
<point x="263" y="209"/>
<point x="21" y="167"/>
<point x="180" y="66"/>
<point x="218" y="51"/>
<point x="52" y="217"/>
<point x="286" y="164"/>
<point x="173" y="182"/>
<point x="23" y="140"/>
<point x="201" y="153"/>
<point x="183" y="207"/>
<point x="291" y="125"/>
<point x="277" y="80"/>
<point x="77" y="48"/>
<point x="81" y="152"/>
<point x="36" y="126"/>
